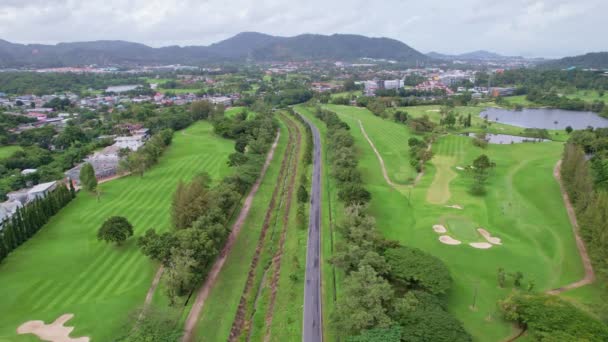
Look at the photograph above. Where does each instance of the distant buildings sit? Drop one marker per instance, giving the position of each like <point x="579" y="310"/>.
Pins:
<point x="433" y="86"/>
<point x="122" y="88"/>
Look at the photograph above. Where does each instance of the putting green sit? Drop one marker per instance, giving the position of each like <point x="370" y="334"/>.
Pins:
<point x="461" y="228"/>
<point x="439" y="191"/>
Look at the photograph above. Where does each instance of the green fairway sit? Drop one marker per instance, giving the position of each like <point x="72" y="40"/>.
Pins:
<point x="523" y="207"/>
<point x="7" y="151"/>
<point x="587" y="95"/>
<point x="389" y="138"/>
<point x="439" y="191"/>
<point x="64" y="269"/>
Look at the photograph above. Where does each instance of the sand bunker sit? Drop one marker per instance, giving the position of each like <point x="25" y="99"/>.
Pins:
<point x="54" y="332"/>
<point x="454" y="206"/>
<point x="459" y="168"/>
<point x="480" y="245"/>
<point x="448" y="240"/>
<point x="486" y="235"/>
<point x="433" y="110"/>
<point x="439" y="228"/>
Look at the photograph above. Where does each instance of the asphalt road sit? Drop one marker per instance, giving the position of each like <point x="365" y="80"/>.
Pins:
<point x="313" y="328"/>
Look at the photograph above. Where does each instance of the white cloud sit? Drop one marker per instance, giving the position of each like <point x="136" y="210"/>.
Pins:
<point x="530" y="27"/>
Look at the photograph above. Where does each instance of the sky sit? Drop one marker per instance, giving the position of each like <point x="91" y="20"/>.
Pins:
<point x="531" y="28"/>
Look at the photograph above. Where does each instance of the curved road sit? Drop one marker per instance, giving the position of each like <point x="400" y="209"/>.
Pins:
<point x="312" y="327"/>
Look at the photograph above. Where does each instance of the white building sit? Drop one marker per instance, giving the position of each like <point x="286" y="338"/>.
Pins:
<point x="133" y="143"/>
<point x="40" y="190"/>
<point x="393" y="84"/>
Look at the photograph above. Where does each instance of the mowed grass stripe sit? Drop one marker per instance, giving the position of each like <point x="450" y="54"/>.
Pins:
<point x="92" y="279"/>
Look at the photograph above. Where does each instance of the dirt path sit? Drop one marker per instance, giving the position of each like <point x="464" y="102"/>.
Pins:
<point x="382" y="166"/>
<point x="240" y="320"/>
<point x="276" y="260"/>
<point x="204" y="290"/>
<point x="388" y="180"/>
<point x="580" y="244"/>
<point x="151" y="291"/>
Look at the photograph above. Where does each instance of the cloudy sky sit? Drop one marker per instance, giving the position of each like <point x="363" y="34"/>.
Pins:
<point x="548" y="28"/>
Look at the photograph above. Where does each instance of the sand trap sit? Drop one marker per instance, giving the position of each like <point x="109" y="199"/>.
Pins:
<point x="480" y="245"/>
<point x="459" y="168"/>
<point x="454" y="206"/>
<point x="433" y="110"/>
<point x="448" y="240"/>
<point x="439" y="228"/>
<point x="54" y="332"/>
<point x="486" y="235"/>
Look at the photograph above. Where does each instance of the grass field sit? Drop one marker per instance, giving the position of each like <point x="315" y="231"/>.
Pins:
<point x="348" y="94"/>
<point x="7" y="151"/>
<point x="587" y="95"/>
<point x="533" y="225"/>
<point x="64" y="269"/>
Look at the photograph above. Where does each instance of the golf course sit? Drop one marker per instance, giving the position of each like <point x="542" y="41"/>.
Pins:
<point x="64" y="269"/>
<point x="522" y="214"/>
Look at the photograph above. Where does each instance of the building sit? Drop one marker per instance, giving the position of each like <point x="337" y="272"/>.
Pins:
<point x="497" y="91"/>
<point x="40" y="190"/>
<point x="223" y="100"/>
<point x="393" y="84"/>
<point x="133" y="143"/>
<point x="370" y="87"/>
<point x="7" y="210"/>
<point x="122" y="88"/>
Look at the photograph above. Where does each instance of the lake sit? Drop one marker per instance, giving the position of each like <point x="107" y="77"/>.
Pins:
<point x="507" y="139"/>
<point x="545" y="118"/>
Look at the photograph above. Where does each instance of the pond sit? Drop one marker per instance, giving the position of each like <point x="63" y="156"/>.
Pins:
<point x="507" y="139"/>
<point x="545" y="118"/>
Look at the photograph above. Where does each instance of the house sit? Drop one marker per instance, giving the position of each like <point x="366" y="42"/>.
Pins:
<point x="40" y="190"/>
<point x="105" y="164"/>
<point x="133" y="143"/>
<point x="28" y="171"/>
<point x="7" y="210"/>
<point x="18" y="196"/>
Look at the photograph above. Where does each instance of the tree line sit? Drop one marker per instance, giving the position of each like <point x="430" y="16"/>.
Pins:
<point x="201" y="212"/>
<point x="390" y="292"/>
<point x="584" y="173"/>
<point x="29" y="219"/>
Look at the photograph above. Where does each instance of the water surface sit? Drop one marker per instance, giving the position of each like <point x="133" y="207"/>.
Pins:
<point x="545" y="118"/>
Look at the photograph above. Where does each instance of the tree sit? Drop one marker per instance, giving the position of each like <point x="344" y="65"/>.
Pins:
<point x="424" y="317"/>
<point x="201" y="110"/>
<point x="569" y="129"/>
<point x="411" y="268"/>
<point x="180" y="274"/>
<point x="190" y="201"/>
<point x="480" y="170"/>
<point x="116" y="229"/>
<point x="87" y="177"/>
<point x="364" y="302"/>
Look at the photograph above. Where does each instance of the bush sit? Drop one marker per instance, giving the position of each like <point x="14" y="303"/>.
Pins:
<point x="550" y="318"/>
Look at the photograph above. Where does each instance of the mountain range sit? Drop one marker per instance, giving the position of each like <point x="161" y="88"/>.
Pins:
<point x="594" y="60"/>
<point x="481" y="55"/>
<point x="244" y="46"/>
